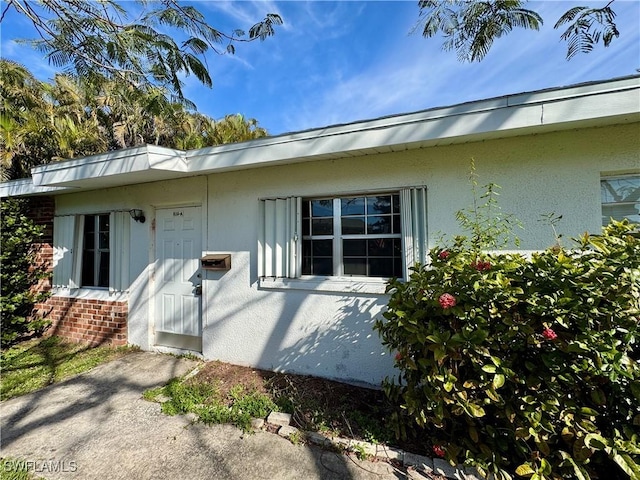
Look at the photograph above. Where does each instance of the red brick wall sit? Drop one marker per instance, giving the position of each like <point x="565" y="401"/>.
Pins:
<point x="97" y="322"/>
<point x="76" y="319"/>
<point x="41" y="210"/>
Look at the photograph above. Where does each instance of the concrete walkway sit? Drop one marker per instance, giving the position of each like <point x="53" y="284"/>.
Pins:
<point x="96" y="425"/>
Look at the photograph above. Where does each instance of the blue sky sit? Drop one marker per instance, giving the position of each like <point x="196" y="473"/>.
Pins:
<point x="339" y="62"/>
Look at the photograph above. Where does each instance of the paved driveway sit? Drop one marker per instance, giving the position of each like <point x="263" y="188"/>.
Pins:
<point x="96" y="425"/>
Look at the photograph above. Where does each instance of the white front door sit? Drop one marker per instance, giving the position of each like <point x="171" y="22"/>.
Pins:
<point x="178" y="279"/>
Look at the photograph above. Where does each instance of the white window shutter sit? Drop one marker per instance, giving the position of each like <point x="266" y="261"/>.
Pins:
<point x="63" y="251"/>
<point x="279" y="243"/>
<point x="119" y="232"/>
<point x="413" y="204"/>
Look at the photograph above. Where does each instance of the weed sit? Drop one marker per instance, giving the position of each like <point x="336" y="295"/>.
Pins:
<point x="297" y="437"/>
<point x="359" y="451"/>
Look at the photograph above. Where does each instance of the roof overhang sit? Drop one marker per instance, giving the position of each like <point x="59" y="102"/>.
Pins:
<point x="580" y="106"/>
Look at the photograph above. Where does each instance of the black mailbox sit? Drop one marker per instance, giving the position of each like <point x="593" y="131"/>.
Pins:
<point x="217" y="261"/>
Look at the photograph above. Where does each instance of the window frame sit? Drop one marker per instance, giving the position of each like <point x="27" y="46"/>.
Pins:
<point x="96" y="250"/>
<point x="338" y="237"/>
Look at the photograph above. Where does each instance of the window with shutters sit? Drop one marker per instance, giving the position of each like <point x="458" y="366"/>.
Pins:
<point x="363" y="237"/>
<point x="92" y="251"/>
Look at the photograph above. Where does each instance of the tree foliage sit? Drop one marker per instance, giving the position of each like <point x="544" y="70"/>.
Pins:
<point x="20" y="272"/>
<point x="42" y="122"/>
<point x="105" y="39"/>
<point x="471" y="26"/>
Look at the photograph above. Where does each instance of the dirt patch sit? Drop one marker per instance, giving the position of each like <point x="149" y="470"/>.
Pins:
<point x="316" y="404"/>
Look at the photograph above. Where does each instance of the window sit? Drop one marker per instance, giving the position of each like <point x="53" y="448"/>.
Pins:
<point x="92" y="251"/>
<point x="95" y="251"/>
<point x="356" y="238"/>
<point x="355" y="235"/>
<point x="620" y="198"/>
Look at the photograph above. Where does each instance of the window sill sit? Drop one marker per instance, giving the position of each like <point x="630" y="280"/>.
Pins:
<point x="327" y="284"/>
<point x="90" y="294"/>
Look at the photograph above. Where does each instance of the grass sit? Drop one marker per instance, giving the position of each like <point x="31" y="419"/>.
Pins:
<point x="31" y="365"/>
<point x="14" y="469"/>
<point x="212" y="404"/>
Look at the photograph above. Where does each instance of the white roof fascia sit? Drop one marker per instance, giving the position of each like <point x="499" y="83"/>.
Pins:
<point x="24" y="187"/>
<point x="543" y="111"/>
<point x="112" y="164"/>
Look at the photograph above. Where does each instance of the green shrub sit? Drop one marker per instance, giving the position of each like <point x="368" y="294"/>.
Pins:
<point x="523" y="366"/>
<point x="18" y="233"/>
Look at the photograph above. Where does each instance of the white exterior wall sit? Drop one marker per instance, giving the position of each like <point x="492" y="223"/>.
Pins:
<point x="329" y="333"/>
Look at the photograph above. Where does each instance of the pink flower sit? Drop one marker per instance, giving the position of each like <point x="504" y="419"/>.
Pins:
<point x="398" y="356"/>
<point x="447" y="300"/>
<point x="443" y="255"/>
<point x="549" y="334"/>
<point x="438" y="451"/>
<point x="481" y="266"/>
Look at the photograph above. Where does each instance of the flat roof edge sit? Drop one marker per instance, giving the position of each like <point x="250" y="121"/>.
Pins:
<point x="24" y="187"/>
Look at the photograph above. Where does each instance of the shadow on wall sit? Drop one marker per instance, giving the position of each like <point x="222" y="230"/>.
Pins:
<point x="343" y="346"/>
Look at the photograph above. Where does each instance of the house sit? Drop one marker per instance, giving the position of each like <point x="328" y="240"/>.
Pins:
<point x="274" y="252"/>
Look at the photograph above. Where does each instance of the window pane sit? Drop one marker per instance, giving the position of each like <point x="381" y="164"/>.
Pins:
<point x="397" y="268"/>
<point x="355" y="266"/>
<point x="396" y="224"/>
<point x="104" y="240"/>
<point x="103" y="269"/>
<point x="352" y="225"/>
<point x="396" y="203"/>
<point x="305" y="209"/>
<point x="306" y="265"/>
<point x="322" y="208"/>
<point x="322" y="248"/>
<point x="89" y="224"/>
<point x="354" y="248"/>
<point x="378" y="205"/>
<point x="104" y="223"/>
<point x="306" y="230"/>
<point x="380" y="247"/>
<point x="397" y="247"/>
<point x="322" y="226"/>
<point x="619" y="212"/>
<point x="353" y="206"/>
<point x="618" y="190"/>
<point x="322" y="266"/>
<point x="377" y="225"/>
<point x="89" y="241"/>
<point x="381" y="267"/>
<point x="87" y="269"/>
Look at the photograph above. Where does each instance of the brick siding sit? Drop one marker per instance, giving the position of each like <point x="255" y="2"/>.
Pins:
<point x="97" y="322"/>
<point x="77" y="319"/>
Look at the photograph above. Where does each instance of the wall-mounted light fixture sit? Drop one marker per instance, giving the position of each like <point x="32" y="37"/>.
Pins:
<point x="137" y="215"/>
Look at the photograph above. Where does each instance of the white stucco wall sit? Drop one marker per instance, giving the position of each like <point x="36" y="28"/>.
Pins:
<point x="329" y="333"/>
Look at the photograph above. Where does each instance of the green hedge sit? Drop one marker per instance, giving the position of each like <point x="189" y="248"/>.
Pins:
<point x="523" y="366"/>
<point x="18" y="234"/>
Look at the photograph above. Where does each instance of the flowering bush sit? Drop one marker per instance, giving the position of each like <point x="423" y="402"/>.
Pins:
<point x="523" y="366"/>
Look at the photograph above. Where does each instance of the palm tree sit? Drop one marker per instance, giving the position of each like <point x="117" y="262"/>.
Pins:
<point x="43" y="122"/>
